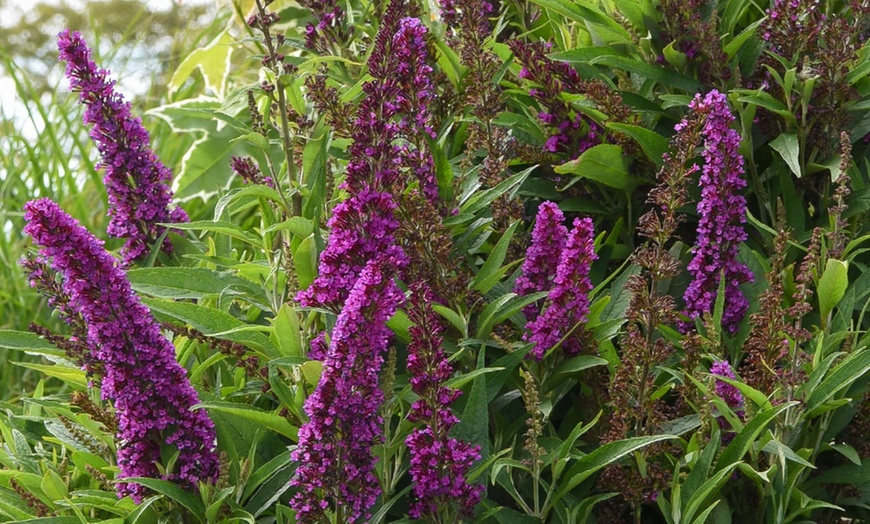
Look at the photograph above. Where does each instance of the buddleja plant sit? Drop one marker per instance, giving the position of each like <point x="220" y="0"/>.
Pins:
<point x="543" y="261"/>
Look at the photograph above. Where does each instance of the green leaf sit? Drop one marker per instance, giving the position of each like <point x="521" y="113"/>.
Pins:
<point x="214" y="323"/>
<point x="265" y="419"/>
<point x="172" y="491"/>
<point x="737" y="42"/>
<point x="315" y="156"/>
<point x="775" y="447"/>
<point x="585" y="14"/>
<point x="477" y="201"/>
<point x="28" y="342"/>
<point x="788" y="148"/>
<point x="212" y="60"/>
<point x="305" y="261"/>
<point x="288" y="336"/>
<point x="237" y="199"/>
<point x="707" y="490"/>
<point x="674" y="57"/>
<point x="659" y="74"/>
<point x="605" y="455"/>
<point x="653" y="144"/>
<point x="757" y="397"/>
<point x="223" y="227"/>
<point x="474" y="424"/>
<point x="744" y="440"/>
<point x="853" y="367"/>
<point x="603" y="164"/>
<point x="832" y="286"/>
<point x="579" y="363"/>
<point x="191" y="282"/>
<point x="489" y="275"/>
<point x="71" y="375"/>
<point x="583" y="55"/>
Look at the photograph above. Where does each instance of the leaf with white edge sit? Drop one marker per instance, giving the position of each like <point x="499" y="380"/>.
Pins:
<point x="212" y="60"/>
<point x="27" y="342"/>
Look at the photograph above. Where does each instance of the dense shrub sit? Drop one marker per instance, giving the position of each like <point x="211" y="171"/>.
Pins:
<point x="528" y="261"/>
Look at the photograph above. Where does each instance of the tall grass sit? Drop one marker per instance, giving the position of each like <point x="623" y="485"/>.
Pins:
<point x="45" y="151"/>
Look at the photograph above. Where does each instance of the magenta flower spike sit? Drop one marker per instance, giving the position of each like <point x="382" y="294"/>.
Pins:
<point x="723" y="212"/>
<point x="568" y="302"/>
<point x="439" y="463"/>
<point x="731" y="395"/>
<point x="542" y="255"/>
<point x="136" y="181"/>
<point x="364" y="225"/>
<point x="149" y="389"/>
<point x="336" y="466"/>
<point x="361" y="228"/>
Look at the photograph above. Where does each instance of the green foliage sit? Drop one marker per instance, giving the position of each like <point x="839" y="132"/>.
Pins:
<point x="597" y="436"/>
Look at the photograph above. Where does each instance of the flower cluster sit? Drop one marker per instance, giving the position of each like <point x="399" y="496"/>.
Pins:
<point x="568" y="302"/>
<point x="336" y="465"/>
<point x="328" y="29"/>
<point x="730" y="394"/>
<point x="361" y="228"/>
<point x="691" y="29"/>
<point x="364" y="225"/>
<point x="439" y="464"/>
<point x="574" y="132"/>
<point x="414" y="79"/>
<point x="456" y="13"/>
<point x="469" y="31"/>
<point x="150" y="390"/>
<point x="542" y="255"/>
<point x="791" y="26"/>
<point x="401" y="89"/>
<point x="723" y="212"/>
<point x="247" y="170"/>
<point x="136" y="181"/>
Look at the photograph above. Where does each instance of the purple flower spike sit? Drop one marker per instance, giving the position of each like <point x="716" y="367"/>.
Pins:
<point x="148" y="387"/>
<point x="568" y="301"/>
<point x="439" y="464"/>
<point x="731" y="395"/>
<point x="136" y="181"/>
<point x="723" y="212"/>
<point x="364" y="225"/>
<point x="415" y="84"/>
<point x="542" y="256"/>
<point x="362" y="228"/>
<point x="336" y="465"/>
